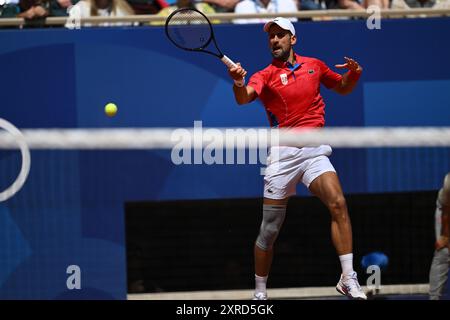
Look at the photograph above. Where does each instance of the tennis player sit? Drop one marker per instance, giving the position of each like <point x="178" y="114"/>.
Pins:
<point x="441" y="258"/>
<point x="289" y="89"/>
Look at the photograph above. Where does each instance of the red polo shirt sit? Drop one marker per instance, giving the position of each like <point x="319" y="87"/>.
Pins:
<point x="291" y="93"/>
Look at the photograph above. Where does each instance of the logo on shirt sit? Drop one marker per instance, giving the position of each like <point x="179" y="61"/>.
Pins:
<point x="310" y="71"/>
<point x="284" y="78"/>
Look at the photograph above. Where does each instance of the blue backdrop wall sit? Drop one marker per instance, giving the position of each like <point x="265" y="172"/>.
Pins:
<point x="70" y="211"/>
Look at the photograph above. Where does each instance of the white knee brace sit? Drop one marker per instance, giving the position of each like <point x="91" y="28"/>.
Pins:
<point x="273" y="217"/>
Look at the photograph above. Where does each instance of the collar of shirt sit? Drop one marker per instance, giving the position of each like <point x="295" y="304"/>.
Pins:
<point x="285" y="64"/>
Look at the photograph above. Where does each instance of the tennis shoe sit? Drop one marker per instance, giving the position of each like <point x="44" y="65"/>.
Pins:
<point x="260" y="296"/>
<point x="348" y="286"/>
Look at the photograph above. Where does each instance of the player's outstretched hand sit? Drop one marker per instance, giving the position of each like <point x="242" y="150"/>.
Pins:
<point x="350" y="64"/>
<point x="237" y="73"/>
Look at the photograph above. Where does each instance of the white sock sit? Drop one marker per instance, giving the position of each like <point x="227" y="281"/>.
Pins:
<point x="346" y="263"/>
<point x="260" y="284"/>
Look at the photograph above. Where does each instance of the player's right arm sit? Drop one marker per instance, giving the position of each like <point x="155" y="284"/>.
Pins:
<point x="242" y="93"/>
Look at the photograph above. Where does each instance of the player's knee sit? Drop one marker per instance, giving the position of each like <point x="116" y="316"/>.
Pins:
<point x="271" y="231"/>
<point x="273" y="217"/>
<point x="338" y="205"/>
<point x="268" y="234"/>
<point x="262" y="244"/>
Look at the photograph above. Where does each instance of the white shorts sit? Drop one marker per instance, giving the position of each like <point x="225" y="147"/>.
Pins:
<point x="286" y="166"/>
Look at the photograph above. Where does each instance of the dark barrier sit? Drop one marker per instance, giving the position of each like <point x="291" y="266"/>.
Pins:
<point x="208" y="245"/>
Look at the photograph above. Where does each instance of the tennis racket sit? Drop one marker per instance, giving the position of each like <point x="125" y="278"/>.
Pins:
<point x="190" y="30"/>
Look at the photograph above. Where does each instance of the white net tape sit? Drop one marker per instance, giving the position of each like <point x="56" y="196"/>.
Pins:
<point x="198" y="137"/>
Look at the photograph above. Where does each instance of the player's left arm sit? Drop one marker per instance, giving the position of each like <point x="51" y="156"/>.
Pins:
<point x="350" y="78"/>
<point x="443" y="240"/>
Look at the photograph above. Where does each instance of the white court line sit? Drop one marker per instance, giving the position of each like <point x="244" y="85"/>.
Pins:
<point x="282" y="293"/>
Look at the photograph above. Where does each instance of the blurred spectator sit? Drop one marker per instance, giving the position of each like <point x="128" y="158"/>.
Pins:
<point x="442" y="4"/>
<point x="309" y="5"/>
<point x="411" y="4"/>
<point x="148" y="6"/>
<point x="223" y="5"/>
<point x="9" y="8"/>
<point x="200" y="6"/>
<point x="33" y="9"/>
<point x="264" y="6"/>
<point x="59" y="8"/>
<point x="104" y="8"/>
<point x="355" y="5"/>
<point x="407" y="4"/>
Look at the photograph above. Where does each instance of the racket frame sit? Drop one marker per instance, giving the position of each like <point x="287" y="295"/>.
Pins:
<point x="227" y="61"/>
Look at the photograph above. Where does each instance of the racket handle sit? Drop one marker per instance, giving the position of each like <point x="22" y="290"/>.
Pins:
<point x="230" y="64"/>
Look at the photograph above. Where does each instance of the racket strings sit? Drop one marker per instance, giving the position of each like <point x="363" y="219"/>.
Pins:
<point x="189" y="29"/>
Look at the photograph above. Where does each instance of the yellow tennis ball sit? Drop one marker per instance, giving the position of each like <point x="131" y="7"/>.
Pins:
<point x="111" y="109"/>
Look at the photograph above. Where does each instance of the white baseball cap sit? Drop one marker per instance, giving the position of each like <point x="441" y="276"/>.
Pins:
<point x="284" y="23"/>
